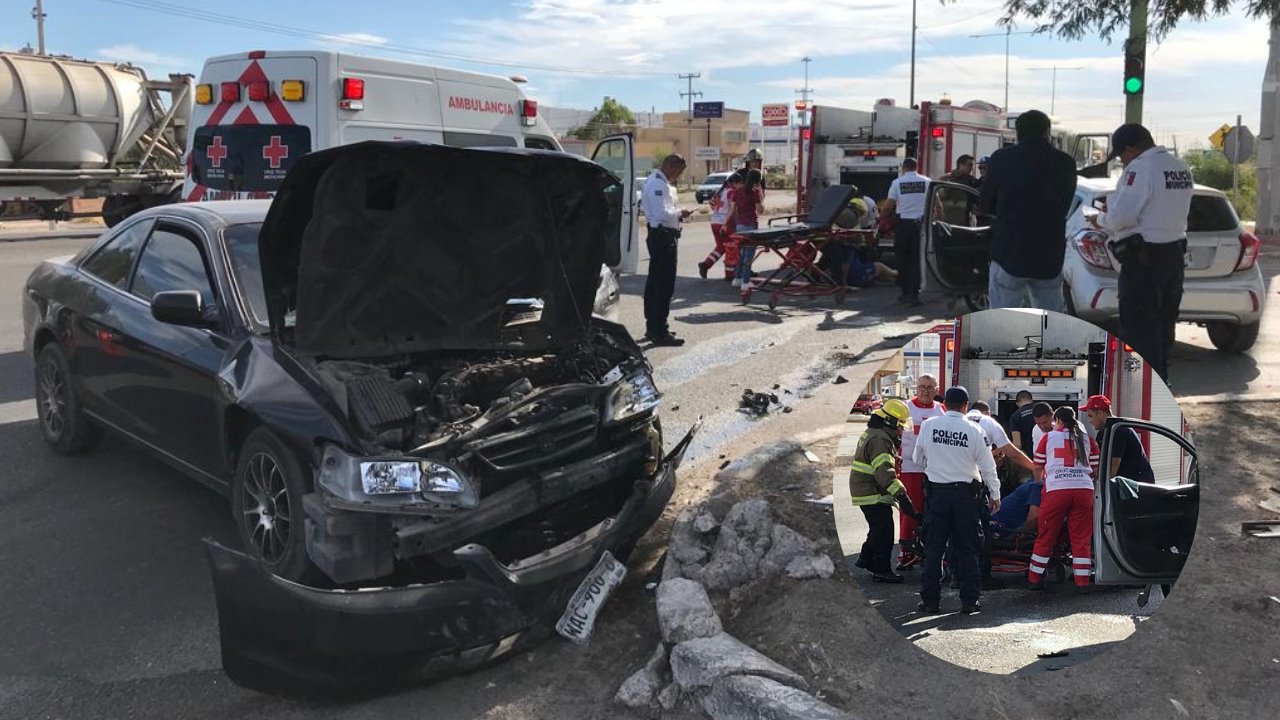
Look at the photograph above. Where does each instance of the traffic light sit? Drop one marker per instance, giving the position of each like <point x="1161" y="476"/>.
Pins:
<point x="1134" y="69"/>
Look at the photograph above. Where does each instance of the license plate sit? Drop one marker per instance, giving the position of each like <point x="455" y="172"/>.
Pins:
<point x="580" y="616"/>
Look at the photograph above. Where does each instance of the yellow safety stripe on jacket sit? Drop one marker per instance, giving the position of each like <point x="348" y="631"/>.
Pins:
<point x="882" y="459"/>
<point x="873" y="500"/>
<point x="864" y="468"/>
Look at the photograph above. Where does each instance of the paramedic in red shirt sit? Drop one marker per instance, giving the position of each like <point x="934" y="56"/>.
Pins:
<point x="922" y="407"/>
<point x="1069" y="456"/>
<point x="719" y="229"/>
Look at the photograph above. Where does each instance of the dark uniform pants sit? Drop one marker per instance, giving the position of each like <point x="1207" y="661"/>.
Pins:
<point x="906" y="246"/>
<point x="661" y="283"/>
<point x="952" y="514"/>
<point x="879" y="545"/>
<point x="1150" y="293"/>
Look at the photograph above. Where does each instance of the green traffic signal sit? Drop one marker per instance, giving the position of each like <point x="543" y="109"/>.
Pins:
<point x="1133" y="85"/>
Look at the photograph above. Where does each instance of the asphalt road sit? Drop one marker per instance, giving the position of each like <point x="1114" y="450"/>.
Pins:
<point x="107" y="609"/>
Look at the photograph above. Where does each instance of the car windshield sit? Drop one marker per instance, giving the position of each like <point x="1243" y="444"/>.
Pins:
<point x="864" y="396"/>
<point x="242" y="248"/>
<point x="715" y="180"/>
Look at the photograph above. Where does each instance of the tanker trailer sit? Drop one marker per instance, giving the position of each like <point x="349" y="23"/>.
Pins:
<point x="82" y="129"/>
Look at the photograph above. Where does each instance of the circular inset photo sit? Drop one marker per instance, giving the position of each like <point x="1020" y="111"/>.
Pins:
<point x="1023" y="491"/>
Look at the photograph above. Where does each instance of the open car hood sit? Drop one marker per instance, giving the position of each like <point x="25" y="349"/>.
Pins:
<point x="383" y="248"/>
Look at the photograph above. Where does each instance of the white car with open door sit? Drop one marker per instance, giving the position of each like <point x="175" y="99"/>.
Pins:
<point x="1142" y="531"/>
<point x="957" y="244"/>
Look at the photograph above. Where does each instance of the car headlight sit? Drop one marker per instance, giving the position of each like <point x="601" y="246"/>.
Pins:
<point x="402" y="480"/>
<point x="632" y="395"/>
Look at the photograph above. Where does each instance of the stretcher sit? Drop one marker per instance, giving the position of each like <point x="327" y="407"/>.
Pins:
<point x="1010" y="552"/>
<point x="799" y="241"/>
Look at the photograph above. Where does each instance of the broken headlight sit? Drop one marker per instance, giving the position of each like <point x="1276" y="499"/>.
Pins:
<point x="402" y="480"/>
<point x="633" y="395"/>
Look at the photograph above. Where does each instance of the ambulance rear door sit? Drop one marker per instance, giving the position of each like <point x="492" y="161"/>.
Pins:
<point x="1142" y="532"/>
<point x="616" y="154"/>
<point x="255" y="116"/>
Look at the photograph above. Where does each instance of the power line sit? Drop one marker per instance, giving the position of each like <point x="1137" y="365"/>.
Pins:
<point x="963" y="19"/>
<point x="291" y="31"/>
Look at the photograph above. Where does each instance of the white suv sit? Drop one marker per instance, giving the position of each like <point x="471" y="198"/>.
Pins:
<point x="1223" y="289"/>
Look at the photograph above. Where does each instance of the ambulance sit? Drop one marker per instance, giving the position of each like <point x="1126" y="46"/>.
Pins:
<point x="257" y="113"/>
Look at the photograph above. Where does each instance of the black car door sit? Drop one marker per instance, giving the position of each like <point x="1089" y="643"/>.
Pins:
<point x="93" y="323"/>
<point x="170" y="371"/>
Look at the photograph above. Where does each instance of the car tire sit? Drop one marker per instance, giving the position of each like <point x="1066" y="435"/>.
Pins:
<point x="1233" y="338"/>
<point x="266" y="505"/>
<point x="62" y="425"/>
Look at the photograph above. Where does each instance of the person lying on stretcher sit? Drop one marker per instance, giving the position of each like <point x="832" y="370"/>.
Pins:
<point x="1018" y="510"/>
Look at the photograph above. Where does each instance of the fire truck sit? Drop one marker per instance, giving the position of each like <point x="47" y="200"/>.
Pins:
<point x="841" y="146"/>
<point x="1142" y="530"/>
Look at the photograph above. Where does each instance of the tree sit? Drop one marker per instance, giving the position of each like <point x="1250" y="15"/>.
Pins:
<point x="660" y="153"/>
<point x="610" y="118"/>
<point x="1073" y="19"/>
<point x="1210" y="167"/>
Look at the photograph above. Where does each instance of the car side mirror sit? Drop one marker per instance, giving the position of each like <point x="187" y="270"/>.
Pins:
<point x="179" y="307"/>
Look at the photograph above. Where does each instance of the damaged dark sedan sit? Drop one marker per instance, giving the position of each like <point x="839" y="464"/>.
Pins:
<point x="433" y="448"/>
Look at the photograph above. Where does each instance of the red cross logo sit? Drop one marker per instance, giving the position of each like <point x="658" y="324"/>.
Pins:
<point x="216" y="151"/>
<point x="1066" y="453"/>
<point x="275" y="152"/>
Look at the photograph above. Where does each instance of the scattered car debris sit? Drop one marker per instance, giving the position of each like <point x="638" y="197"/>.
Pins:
<point x="1182" y="709"/>
<point x="1274" y="599"/>
<point x="1055" y="654"/>
<point x="811" y="456"/>
<point x="776" y="386"/>
<point x="725" y="464"/>
<point x="675" y="408"/>
<point x="786" y="409"/>
<point x="756" y="403"/>
<point x="1261" y="528"/>
<point x="840" y="380"/>
<point x="828" y="500"/>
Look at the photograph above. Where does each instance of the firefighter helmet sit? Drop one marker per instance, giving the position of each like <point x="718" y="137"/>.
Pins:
<point x="754" y="155"/>
<point x="894" y="412"/>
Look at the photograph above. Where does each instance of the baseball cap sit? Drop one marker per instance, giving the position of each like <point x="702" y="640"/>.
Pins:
<point x="1096" y="402"/>
<point x="1128" y="135"/>
<point x="956" y="395"/>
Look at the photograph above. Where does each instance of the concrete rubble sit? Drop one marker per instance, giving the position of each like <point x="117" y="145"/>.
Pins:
<point x="726" y="547"/>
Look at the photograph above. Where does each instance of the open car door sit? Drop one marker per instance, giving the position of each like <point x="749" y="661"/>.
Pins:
<point x="615" y="153"/>
<point x="957" y="243"/>
<point x="1090" y="153"/>
<point x="1142" y="531"/>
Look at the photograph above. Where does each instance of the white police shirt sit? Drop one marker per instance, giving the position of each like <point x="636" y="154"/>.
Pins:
<point x="908" y="192"/>
<point x="658" y="201"/>
<point x="990" y="426"/>
<point x="1152" y="198"/>
<point x="954" y="450"/>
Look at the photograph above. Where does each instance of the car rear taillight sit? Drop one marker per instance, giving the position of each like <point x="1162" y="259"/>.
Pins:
<point x="1092" y="246"/>
<point x="259" y="90"/>
<point x="1250" y="247"/>
<point x="230" y="92"/>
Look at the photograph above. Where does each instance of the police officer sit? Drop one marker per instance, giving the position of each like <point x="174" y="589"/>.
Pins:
<point x="1146" y="218"/>
<point x="955" y="452"/>
<point x="874" y="486"/>
<point x="658" y="201"/>
<point x="906" y="200"/>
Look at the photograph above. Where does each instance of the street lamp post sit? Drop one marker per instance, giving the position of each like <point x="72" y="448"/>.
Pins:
<point x="1008" y="31"/>
<point x="1053" y="93"/>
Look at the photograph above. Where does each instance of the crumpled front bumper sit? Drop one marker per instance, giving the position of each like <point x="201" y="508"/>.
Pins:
<point x="281" y="637"/>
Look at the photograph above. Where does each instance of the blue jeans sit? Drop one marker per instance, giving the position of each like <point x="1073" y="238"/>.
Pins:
<point x="746" y="254"/>
<point x="1010" y="291"/>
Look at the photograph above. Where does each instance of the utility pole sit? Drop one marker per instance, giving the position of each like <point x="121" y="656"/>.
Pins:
<point x="38" y="13"/>
<point x="911" y="102"/>
<point x="1136" y="45"/>
<point x="804" y="91"/>
<point x="1008" y="32"/>
<point x="688" y="151"/>
<point x="1053" y="96"/>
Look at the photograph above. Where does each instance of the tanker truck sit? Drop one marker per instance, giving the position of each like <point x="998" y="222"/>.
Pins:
<point x="83" y="129"/>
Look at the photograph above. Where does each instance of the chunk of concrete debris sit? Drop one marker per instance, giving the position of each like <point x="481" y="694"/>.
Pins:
<point x="686" y="545"/>
<point x="699" y="663"/>
<point x="747" y="531"/>
<point x="786" y="545"/>
<point x="705" y="522"/>
<point x="726" y="570"/>
<point x="685" y="611"/>
<point x="813" y="566"/>
<point x="668" y="697"/>
<point x="641" y="689"/>
<point x="748" y="697"/>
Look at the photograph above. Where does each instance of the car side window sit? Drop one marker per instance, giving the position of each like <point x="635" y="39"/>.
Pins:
<point x="113" y="262"/>
<point x="171" y="261"/>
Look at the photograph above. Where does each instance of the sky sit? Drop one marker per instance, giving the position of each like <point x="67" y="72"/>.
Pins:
<point x="747" y="52"/>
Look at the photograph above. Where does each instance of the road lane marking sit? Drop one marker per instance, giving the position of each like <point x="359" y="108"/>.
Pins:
<point x="18" y="411"/>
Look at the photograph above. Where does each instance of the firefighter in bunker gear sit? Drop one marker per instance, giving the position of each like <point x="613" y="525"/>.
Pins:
<point x="875" y="487"/>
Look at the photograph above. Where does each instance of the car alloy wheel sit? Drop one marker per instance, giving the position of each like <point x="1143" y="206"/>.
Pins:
<point x="267" y="518"/>
<point x="52" y="401"/>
